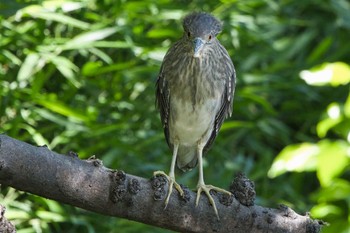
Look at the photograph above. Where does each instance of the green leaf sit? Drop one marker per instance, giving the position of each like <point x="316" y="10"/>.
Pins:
<point x="298" y="158"/>
<point x="67" y="69"/>
<point x="328" y="158"/>
<point x="258" y="99"/>
<point x="37" y="11"/>
<point x="333" y="158"/>
<point x="17" y="214"/>
<point x="236" y="124"/>
<point x="13" y="58"/>
<point x="102" y="55"/>
<point x="58" y="119"/>
<point x="333" y="119"/>
<point x="323" y="209"/>
<point x="50" y="216"/>
<point x="341" y="8"/>
<point x="347" y="107"/>
<point x="335" y="74"/>
<point x="96" y="68"/>
<point x="85" y="40"/>
<point x="321" y="49"/>
<point x="339" y="189"/>
<point x="36" y="135"/>
<point x="65" y="5"/>
<point x="61" y="108"/>
<point x="29" y="67"/>
<point x="161" y="33"/>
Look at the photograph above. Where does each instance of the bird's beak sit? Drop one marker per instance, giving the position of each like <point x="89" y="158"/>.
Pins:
<point x="198" y="44"/>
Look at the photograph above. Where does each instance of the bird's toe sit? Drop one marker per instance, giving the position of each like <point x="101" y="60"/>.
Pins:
<point x="171" y="182"/>
<point x="206" y="189"/>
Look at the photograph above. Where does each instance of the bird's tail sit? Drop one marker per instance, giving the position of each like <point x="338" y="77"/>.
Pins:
<point x="186" y="158"/>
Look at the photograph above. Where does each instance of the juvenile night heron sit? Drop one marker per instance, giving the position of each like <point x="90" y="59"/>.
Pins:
<point x="194" y="94"/>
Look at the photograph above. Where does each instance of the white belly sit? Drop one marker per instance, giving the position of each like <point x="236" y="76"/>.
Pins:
<point x="191" y="125"/>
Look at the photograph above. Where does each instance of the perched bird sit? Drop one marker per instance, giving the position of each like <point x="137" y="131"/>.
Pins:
<point x="194" y="93"/>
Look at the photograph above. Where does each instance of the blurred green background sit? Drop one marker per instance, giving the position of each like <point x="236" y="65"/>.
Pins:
<point x="80" y="76"/>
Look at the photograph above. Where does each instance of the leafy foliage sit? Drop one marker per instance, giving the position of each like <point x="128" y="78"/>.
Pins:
<point x="329" y="157"/>
<point x="79" y="75"/>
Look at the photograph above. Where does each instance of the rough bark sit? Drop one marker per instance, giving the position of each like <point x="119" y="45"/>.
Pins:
<point x="89" y="185"/>
<point x="5" y="225"/>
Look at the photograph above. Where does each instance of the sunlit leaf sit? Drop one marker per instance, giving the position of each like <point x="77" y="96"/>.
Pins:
<point x="36" y="135"/>
<point x="37" y="11"/>
<point x="58" y="119"/>
<point x="11" y="57"/>
<point x="85" y="40"/>
<point x="333" y="158"/>
<point x="323" y="209"/>
<point x="298" y="158"/>
<point x="335" y="74"/>
<point x="333" y="119"/>
<point x="61" y="108"/>
<point x="29" y="67"/>
<point x="17" y="214"/>
<point x="66" y="6"/>
<point x="326" y="157"/>
<point x="157" y="54"/>
<point x="67" y="69"/>
<point x="102" y="55"/>
<point x="50" y="216"/>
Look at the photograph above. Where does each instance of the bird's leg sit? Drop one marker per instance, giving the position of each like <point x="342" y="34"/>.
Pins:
<point x="202" y="187"/>
<point x="171" y="176"/>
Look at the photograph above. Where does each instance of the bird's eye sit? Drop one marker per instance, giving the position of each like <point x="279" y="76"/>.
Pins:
<point x="189" y="34"/>
<point x="209" y="37"/>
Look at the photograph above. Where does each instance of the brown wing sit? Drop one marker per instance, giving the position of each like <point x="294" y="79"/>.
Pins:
<point x="162" y="90"/>
<point x="162" y="102"/>
<point x="225" y="109"/>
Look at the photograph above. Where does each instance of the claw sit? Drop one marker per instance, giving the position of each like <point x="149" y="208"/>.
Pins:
<point x="171" y="182"/>
<point x="206" y="189"/>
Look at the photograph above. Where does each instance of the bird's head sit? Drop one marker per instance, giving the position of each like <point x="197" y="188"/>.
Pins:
<point x="200" y="31"/>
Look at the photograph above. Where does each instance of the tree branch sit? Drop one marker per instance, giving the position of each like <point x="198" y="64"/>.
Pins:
<point x="89" y="185"/>
<point x="5" y="225"/>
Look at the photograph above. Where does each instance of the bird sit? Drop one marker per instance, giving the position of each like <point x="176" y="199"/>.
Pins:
<point x="194" y="95"/>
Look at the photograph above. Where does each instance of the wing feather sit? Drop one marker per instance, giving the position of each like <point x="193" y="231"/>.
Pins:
<point x="224" y="111"/>
<point x="162" y="102"/>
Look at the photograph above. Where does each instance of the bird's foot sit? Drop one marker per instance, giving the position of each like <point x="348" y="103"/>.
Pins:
<point x="171" y="183"/>
<point x="206" y="188"/>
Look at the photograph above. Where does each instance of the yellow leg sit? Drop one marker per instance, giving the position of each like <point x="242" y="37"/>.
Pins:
<point x="171" y="176"/>
<point x="202" y="187"/>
